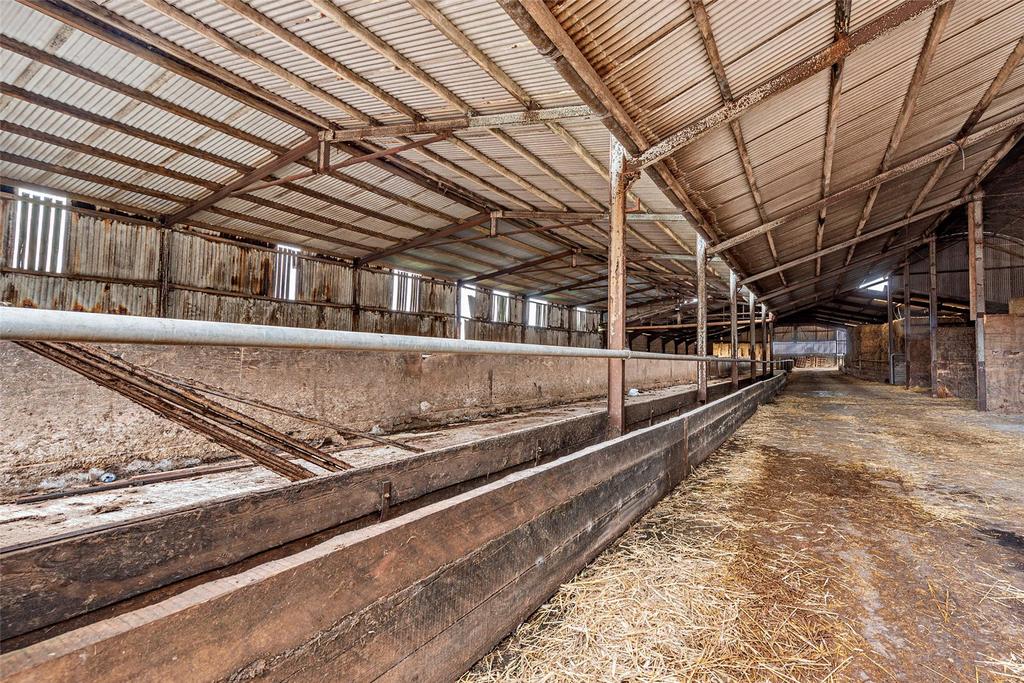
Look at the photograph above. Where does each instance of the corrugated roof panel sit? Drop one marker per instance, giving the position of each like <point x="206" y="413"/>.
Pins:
<point x="755" y="45"/>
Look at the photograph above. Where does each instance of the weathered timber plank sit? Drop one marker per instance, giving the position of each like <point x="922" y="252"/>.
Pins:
<point x="62" y="577"/>
<point x="419" y="596"/>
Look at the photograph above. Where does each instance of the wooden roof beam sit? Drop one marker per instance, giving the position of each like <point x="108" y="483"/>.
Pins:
<point x="1012" y="60"/>
<point x="864" y="185"/>
<point x="700" y="14"/>
<point x="924" y="60"/>
<point x="486" y="122"/>
<point x="821" y="60"/>
<point x="840" y="32"/>
<point x="878" y="232"/>
<point x="259" y="173"/>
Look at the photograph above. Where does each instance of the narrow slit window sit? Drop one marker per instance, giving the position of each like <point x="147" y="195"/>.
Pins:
<point x="501" y="307"/>
<point x="405" y="291"/>
<point x="538" y="313"/>
<point x="40" y="232"/>
<point x="581" y="318"/>
<point x="286" y="272"/>
<point x="467" y="293"/>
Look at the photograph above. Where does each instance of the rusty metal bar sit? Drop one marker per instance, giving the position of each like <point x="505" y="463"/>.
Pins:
<point x="176" y="413"/>
<point x="734" y="338"/>
<point x="450" y="125"/>
<point x="933" y="318"/>
<point x="753" y="334"/>
<point x="907" y="321"/>
<point x="976" y="284"/>
<point x="702" y="318"/>
<point x="891" y="351"/>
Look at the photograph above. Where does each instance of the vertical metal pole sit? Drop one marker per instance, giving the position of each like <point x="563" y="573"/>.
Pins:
<point x="164" y="272"/>
<point x="619" y="182"/>
<point x="734" y="337"/>
<point x="976" y="262"/>
<point x="753" y="334"/>
<point x="702" y="319"/>
<point x="933" y="318"/>
<point x="892" y="332"/>
<point x="764" y="340"/>
<point x="458" y="310"/>
<point x="907" y="322"/>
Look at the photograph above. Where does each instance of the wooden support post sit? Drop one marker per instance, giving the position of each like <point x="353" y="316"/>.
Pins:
<point x="907" y="322"/>
<point x="734" y="337"/>
<point x="164" y="272"/>
<point x="764" y="340"/>
<point x="355" y="295"/>
<point x="753" y="334"/>
<point x="524" y="319"/>
<point x="892" y="334"/>
<point x="976" y="271"/>
<point x="457" y="333"/>
<point x="619" y="181"/>
<point x="702" y="319"/>
<point x="933" y="318"/>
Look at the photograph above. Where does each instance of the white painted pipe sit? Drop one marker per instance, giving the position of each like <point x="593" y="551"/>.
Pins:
<point x="72" y="326"/>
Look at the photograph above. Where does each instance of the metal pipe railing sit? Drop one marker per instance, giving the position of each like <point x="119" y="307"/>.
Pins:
<point x="30" y="324"/>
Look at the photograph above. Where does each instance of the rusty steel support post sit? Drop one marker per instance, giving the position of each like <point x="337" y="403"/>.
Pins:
<point x="933" y="318"/>
<point x="764" y="340"/>
<point x="753" y="334"/>
<point x="976" y="271"/>
<point x="892" y="332"/>
<point x="457" y="334"/>
<point x="734" y="337"/>
<point x="702" y="319"/>
<point x="619" y="182"/>
<point x="907" y="322"/>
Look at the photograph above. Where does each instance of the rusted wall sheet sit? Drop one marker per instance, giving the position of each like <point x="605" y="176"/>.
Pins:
<point x="46" y="291"/>
<point x="1004" y="272"/>
<point x="210" y="278"/>
<point x="192" y="305"/>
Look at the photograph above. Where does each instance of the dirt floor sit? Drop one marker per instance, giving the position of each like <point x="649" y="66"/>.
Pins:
<point x="850" y="531"/>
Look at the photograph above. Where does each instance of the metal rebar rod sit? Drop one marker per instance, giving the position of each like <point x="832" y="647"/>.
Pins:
<point x="74" y="326"/>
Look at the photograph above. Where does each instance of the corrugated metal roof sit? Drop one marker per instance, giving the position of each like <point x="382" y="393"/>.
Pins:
<point x="654" y="63"/>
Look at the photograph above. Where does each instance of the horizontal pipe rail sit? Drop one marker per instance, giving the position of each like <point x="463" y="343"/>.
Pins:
<point x="31" y="324"/>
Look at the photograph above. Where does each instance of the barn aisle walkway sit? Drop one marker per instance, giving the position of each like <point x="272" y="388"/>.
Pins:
<point x="850" y="531"/>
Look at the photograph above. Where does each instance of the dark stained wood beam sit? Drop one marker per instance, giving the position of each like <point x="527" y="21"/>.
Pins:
<point x="841" y="30"/>
<point x="823" y="59"/>
<point x="265" y="169"/>
<point x="924" y="60"/>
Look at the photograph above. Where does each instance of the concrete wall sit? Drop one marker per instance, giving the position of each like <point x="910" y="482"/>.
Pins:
<point x="1004" y="363"/>
<point x="55" y="423"/>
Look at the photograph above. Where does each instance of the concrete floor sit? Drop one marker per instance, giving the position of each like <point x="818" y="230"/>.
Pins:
<point x="850" y="531"/>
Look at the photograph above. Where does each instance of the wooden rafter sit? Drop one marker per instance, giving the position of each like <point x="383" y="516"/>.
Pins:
<point x="700" y="15"/>
<point x="840" y="32"/>
<point x="865" y="185"/>
<point x="821" y="60"/>
<point x="924" y="60"/>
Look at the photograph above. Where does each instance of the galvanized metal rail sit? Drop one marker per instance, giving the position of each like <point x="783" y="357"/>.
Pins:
<point x="73" y="326"/>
